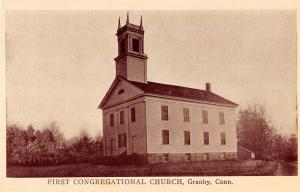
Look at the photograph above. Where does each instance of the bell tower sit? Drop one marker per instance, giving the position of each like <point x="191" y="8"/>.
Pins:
<point x="131" y="62"/>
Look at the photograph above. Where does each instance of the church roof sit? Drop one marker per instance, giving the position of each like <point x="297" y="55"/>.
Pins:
<point x="172" y="91"/>
<point x="181" y="92"/>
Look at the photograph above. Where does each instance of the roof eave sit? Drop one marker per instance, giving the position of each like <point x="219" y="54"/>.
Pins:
<point x="192" y="100"/>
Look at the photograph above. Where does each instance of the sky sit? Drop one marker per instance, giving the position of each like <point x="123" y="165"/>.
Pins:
<point x="59" y="64"/>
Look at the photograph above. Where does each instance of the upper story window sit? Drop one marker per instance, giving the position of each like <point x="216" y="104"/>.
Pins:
<point x="206" y="138"/>
<point x="165" y="137"/>
<point x="204" y="117"/>
<point x="135" y="45"/>
<point x="187" y="138"/>
<point x="132" y="114"/>
<point x="164" y="113"/>
<point x="186" y="115"/>
<point x="121" y="117"/>
<point x="221" y="118"/>
<point x="223" y="138"/>
<point x="121" y="91"/>
<point x="111" y="119"/>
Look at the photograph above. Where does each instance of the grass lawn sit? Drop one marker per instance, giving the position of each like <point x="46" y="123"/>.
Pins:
<point x="217" y="168"/>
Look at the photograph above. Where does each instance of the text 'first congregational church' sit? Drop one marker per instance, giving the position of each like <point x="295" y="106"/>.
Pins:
<point x="160" y="122"/>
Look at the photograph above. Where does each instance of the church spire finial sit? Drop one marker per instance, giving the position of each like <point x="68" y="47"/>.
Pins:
<point x="127" y="20"/>
<point x="119" y="24"/>
<point x="141" y="22"/>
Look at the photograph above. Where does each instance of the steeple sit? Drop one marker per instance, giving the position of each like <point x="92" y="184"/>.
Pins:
<point x="127" y="20"/>
<point x="119" y="24"/>
<point x="141" y="22"/>
<point x="131" y="62"/>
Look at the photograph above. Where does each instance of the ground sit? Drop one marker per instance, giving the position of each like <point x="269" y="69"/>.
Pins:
<point x="221" y="168"/>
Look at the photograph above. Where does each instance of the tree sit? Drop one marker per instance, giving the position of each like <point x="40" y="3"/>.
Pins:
<point x="30" y="146"/>
<point x="58" y="137"/>
<point x="30" y="133"/>
<point x="292" y="149"/>
<point x="13" y="139"/>
<point x="97" y="148"/>
<point x="256" y="132"/>
<point x="33" y="150"/>
<point x="98" y="143"/>
<point x="48" y="146"/>
<point x="16" y="143"/>
<point x="81" y="146"/>
<point x="279" y="146"/>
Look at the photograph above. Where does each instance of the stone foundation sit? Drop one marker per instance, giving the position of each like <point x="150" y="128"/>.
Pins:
<point x="183" y="157"/>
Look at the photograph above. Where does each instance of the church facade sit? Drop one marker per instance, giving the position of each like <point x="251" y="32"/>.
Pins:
<point x="161" y="122"/>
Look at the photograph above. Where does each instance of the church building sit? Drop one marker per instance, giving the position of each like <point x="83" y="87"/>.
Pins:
<point x="162" y="122"/>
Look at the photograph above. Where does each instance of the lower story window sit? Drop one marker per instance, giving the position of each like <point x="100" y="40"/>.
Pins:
<point x="188" y="157"/>
<point x="223" y="156"/>
<point x="165" y="157"/>
<point x="206" y="156"/>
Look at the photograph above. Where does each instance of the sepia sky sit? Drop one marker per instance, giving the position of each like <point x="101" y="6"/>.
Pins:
<point x="60" y="63"/>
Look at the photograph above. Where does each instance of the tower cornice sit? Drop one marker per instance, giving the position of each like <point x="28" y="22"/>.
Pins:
<point x="140" y="56"/>
<point x="130" y="27"/>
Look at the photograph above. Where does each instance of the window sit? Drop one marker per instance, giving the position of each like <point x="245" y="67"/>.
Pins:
<point x="206" y="156"/>
<point x="122" y="140"/>
<point x="188" y="157"/>
<point x="187" y="139"/>
<point x="165" y="137"/>
<point x="122" y="46"/>
<point x="206" y="138"/>
<point x="186" y="115"/>
<point x="223" y="155"/>
<point x="121" y="91"/>
<point x="223" y="138"/>
<point x="121" y="117"/>
<point x="111" y="119"/>
<point x="165" y="157"/>
<point x="132" y="113"/>
<point x="164" y="113"/>
<point x="135" y="45"/>
<point x="204" y="117"/>
<point x="221" y="118"/>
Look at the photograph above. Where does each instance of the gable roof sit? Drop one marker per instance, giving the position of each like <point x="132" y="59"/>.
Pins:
<point x="111" y="88"/>
<point x="166" y="90"/>
<point x="181" y="92"/>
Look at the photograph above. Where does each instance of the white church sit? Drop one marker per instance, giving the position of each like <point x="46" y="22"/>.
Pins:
<point x="161" y="122"/>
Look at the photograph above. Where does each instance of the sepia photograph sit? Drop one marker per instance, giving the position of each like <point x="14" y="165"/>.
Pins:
<point x="151" y="93"/>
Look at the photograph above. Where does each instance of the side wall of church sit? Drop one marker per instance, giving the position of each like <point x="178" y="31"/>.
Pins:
<point x="195" y="126"/>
